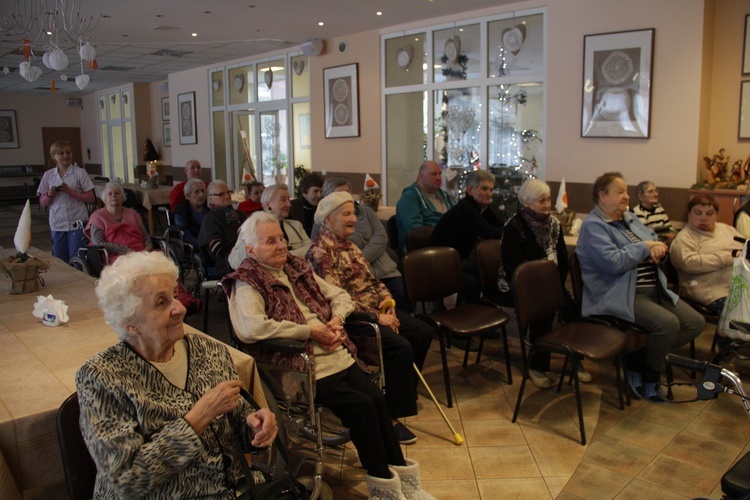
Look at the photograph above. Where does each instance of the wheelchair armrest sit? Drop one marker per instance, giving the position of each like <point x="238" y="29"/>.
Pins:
<point x="280" y="345"/>
<point x="363" y="317"/>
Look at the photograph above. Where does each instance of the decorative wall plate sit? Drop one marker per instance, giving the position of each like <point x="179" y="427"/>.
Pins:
<point x="268" y="77"/>
<point x="217" y="85"/>
<point x="239" y="83"/>
<point x="404" y="56"/>
<point x="298" y="66"/>
<point x="513" y="38"/>
<point x="453" y="48"/>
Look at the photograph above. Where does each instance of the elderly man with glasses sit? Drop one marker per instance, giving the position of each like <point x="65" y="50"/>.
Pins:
<point x="218" y="232"/>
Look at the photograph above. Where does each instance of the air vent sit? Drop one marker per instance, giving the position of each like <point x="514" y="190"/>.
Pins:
<point x="171" y="53"/>
<point x="116" y="68"/>
<point x="162" y="27"/>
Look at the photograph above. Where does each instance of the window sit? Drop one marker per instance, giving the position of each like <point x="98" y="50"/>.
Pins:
<point x="479" y="103"/>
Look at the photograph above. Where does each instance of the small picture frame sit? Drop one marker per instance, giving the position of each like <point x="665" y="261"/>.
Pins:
<point x="744" y="128"/>
<point x="617" y="82"/>
<point x="165" y="109"/>
<point x="166" y="129"/>
<point x="746" y="48"/>
<point x="341" y="92"/>
<point x="8" y="129"/>
<point x="186" y="108"/>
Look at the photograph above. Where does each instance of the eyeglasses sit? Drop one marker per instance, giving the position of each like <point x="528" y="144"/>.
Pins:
<point x="223" y="193"/>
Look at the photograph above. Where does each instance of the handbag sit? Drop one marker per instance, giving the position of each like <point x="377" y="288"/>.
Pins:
<point x="282" y="488"/>
<point x="737" y="305"/>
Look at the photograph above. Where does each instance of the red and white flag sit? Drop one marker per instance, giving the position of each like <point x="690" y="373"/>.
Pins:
<point x="562" y="198"/>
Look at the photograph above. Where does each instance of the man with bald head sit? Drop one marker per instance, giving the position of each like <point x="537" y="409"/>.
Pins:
<point x="192" y="171"/>
<point x="422" y="203"/>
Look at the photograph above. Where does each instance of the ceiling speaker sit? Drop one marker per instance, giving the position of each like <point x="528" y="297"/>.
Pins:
<point x="313" y="47"/>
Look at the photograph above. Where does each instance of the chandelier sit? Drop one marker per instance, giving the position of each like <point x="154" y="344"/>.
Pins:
<point x="45" y="28"/>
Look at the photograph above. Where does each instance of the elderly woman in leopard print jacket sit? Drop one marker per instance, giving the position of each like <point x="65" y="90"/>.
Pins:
<point x="153" y="406"/>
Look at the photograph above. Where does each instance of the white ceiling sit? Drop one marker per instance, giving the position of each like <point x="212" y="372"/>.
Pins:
<point x="125" y="38"/>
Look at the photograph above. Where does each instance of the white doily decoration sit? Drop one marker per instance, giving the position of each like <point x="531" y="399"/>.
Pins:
<point x="82" y="81"/>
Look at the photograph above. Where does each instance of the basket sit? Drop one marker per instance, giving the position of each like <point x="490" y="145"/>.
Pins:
<point x="24" y="277"/>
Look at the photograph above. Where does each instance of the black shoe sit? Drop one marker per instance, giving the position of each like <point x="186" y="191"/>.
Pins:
<point x="404" y="435"/>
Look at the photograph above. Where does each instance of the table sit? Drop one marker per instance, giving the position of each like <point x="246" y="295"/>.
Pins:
<point x="148" y="197"/>
<point x="37" y="373"/>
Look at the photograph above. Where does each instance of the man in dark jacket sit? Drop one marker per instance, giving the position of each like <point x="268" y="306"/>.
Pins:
<point x="462" y="226"/>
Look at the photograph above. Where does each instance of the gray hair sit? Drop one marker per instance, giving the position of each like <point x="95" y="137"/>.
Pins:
<point x="115" y="286"/>
<point x="332" y="183"/>
<point x="269" y="193"/>
<point x="189" y="185"/>
<point x="642" y="187"/>
<point x="113" y="185"/>
<point x="217" y="182"/>
<point x="476" y="177"/>
<point x="249" y="228"/>
<point x="532" y="190"/>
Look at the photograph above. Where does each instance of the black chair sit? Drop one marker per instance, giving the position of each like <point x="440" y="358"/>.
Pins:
<point x="79" y="467"/>
<point x="489" y="258"/>
<point x="536" y="304"/>
<point x="391" y="226"/>
<point x="430" y="275"/>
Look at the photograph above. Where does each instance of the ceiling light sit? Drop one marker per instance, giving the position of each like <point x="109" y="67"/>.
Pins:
<point x="194" y="34"/>
<point x="378" y="13"/>
<point x="321" y="23"/>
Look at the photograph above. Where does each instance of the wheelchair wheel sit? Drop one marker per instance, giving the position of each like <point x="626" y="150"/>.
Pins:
<point x="81" y="265"/>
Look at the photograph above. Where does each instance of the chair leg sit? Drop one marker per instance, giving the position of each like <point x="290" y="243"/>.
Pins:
<point x="692" y="356"/>
<point x="205" y="310"/>
<point x="619" y="377"/>
<point x="716" y="339"/>
<point x="466" y="352"/>
<point x="523" y="386"/>
<point x="479" y="351"/>
<point x="504" y="335"/>
<point x="562" y="374"/>
<point x="446" y="375"/>
<point x="579" y="403"/>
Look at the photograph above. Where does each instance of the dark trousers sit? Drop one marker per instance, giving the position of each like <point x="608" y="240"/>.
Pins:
<point x="361" y="407"/>
<point x="400" y="350"/>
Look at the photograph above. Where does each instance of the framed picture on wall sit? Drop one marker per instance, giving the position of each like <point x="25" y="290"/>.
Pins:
<point x="165" y="109"/>
<point x="8" y="129"/>
<point x="746" y="48"/>
<point x="341" y="93"/>
<point x="744" y="129"/>
<point x="166" y="129"/>
<point x="617" y="72"/>
<point x="186" y="107"/>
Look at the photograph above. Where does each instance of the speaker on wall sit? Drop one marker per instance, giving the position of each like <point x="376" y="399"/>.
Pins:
<point x="313" y="47"/>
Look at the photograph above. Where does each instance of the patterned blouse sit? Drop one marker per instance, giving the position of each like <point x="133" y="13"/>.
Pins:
<point x="132" y="419"/>
<point x="341" y="263"/>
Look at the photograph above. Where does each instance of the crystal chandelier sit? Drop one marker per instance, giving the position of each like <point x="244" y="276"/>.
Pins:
<point x="44" y="28"/>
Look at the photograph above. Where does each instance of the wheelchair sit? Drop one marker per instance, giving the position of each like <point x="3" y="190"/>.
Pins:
<point x="287" y="371"/>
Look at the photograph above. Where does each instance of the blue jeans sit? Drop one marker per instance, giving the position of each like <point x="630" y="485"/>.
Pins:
<point x="65" y="244"/>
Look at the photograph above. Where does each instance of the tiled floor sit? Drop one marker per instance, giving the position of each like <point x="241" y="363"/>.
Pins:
<point x="647" y="451"/>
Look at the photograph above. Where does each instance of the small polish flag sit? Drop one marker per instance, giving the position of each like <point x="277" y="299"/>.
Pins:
<point x="370" y="183"/>
<point x="562" y="198"/>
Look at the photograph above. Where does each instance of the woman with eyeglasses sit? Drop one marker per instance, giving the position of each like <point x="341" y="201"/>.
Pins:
<point x="218" y="232"/>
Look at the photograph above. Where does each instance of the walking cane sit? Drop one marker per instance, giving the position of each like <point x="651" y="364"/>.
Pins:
<point x="456" y="436"/>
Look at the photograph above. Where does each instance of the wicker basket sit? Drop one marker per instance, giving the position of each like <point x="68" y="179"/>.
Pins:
<point x="24" y="277"/>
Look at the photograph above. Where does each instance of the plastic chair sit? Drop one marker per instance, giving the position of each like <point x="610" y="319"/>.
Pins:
<point x="288" y="372"/>
<point x="430" y="275"/>
<point x="79" y="467"/>
<point x="536" y="304"/>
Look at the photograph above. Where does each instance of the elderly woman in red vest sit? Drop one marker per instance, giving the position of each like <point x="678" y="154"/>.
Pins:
<point x="276" y="295"/>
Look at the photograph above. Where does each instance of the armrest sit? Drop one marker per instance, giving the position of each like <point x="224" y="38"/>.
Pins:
<point x="280" y="345"/>
<point x="364" y="317"/>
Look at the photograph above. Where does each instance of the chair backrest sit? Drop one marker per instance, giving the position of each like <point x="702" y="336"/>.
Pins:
<point x="418" y="238"/>
<point x="576" y="278"/>
<point x="131" y="200"/>
<point x="538" y="292"/>
<point x="391" y="226"/>
<point x="432" y="273"/>
<point x="489" y="258"/>
<point x="79" y="467"/>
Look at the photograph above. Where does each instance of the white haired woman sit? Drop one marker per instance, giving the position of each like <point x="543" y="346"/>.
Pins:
<point x="276" y="295"/>
<point x="189" y="213"/>
<point x="533" y="234"/>
<point x="275" y="200"/>
<point x="153" y="406"/>
<point x="116" y="228"/>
